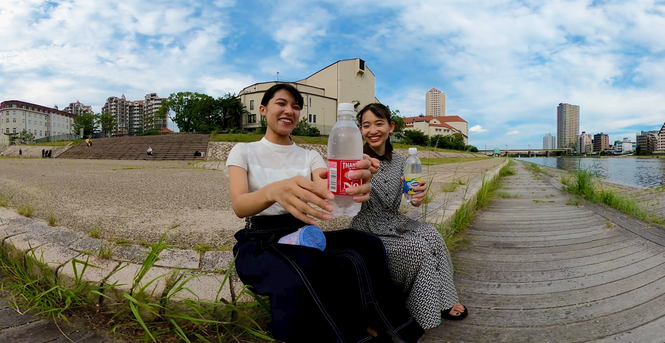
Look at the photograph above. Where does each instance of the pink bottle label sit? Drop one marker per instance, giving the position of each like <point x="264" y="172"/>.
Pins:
<point x="338" y="176"/>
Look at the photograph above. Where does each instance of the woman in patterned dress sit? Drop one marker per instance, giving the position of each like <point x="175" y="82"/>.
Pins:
<point x="419" y="260"/>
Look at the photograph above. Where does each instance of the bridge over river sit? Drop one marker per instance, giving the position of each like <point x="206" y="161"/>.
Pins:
<point x="563" y="273"/>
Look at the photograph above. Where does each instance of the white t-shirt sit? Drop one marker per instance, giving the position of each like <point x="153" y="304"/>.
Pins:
<point x="267" y="162"/>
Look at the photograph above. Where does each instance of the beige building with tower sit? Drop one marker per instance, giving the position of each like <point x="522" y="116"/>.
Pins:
<point x="431" y="126"/>
<point x="568" y="126"/>
<point x="17" y="116"/>
<point x="345" y="81"/>
<point x="435" y="103"/>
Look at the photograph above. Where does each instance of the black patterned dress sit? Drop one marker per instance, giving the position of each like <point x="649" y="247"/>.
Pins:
<point x="418" y="257"/>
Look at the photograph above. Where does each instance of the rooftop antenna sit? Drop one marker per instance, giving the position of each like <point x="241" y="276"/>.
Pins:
<point x="277" y="76"/>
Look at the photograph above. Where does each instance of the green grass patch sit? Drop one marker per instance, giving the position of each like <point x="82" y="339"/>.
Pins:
<point x="26" y="210"/>
<point x="423" y="148"/>
<point x="452" y="231"/>
<point x="506" y="195"/>
<point x="95" y="232"/>
<point x="583" y="184"/>
<point x="52" y="219"/>
<point x="4" y="202"/>
<point x="201" y="248"/>
<point x="122" y="242"/>
<point x="174" y="315"/>
<point x="444" y="160"/>
<point x="106" y="251"/>
<point x="450" y="186"/>
<point x="58" y="143"/>
<point x="535" y="168"/>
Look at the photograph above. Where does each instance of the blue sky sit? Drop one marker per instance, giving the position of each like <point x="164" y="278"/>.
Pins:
<point x="504" y="65"/>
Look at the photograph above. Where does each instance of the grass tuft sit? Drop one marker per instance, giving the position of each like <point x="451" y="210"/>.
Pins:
<point x="450" y="186"/>
<point x="201" y="248"/>
<point x="95" y="232"/>
<point x="4" y="202"/>
<point x="52" y="219"/>
<point x="26" y="210"/>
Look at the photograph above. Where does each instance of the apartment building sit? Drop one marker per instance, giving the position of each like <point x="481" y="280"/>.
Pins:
<point x="152" y="104"/>
<point x="77" y="108"/>
<point x="435" y="103"/>
<point x="568" y="125"/>
<point x="17" y="116"/>
<point x="135" y="117"/>
<point x="549" y="142"/>
<point x="585" y="144"/>
<point x="647" y="141"/>
<point x="345" y="81"/>
<point x="601" y="142"/>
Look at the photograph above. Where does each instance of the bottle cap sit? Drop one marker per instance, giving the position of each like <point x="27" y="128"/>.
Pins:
<point x="346" y="108"/>
<point x="311" y="236"/>
<point x="413" y="151"/>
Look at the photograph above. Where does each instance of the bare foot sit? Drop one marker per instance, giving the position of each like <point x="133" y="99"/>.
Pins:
<point x="456" y="310"/>
<point x="372" y="332"/>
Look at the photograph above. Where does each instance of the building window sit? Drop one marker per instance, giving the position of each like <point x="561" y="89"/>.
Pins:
<point x="312" y="118"/>
<point x="7" y="130"/>
<point x="40" y="133"/>
<point x="14" y="130"/>
<point x="8" y="120"/>
<point x="251" y="104"/>
<point x="251" y="118"/>
<point x="14" y="120"/>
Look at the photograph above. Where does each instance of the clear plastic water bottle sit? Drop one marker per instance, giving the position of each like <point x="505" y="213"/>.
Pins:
<point x="345" y="148"/>
<point x="413" y="172"/>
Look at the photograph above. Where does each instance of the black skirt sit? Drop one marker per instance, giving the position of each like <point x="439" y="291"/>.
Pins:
<point x="323" y="296"/>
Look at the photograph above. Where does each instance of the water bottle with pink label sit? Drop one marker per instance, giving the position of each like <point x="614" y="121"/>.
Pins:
<point x="345" y="148"/>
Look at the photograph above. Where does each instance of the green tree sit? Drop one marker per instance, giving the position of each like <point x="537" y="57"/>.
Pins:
<point x="85" y="121"/>
<point x="107" y="123"/>
<point x="303" y="128"/>
<point x="415" y="137"/>
<point x="24" y="137"/>
<point x="397" y="118"/>
<point x="232" y="110"/>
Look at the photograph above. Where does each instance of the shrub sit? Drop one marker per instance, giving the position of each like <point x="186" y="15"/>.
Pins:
<point x="26" y="210"/>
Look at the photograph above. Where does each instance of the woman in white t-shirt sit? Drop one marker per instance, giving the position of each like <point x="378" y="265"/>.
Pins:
<point x="273" y="183"/>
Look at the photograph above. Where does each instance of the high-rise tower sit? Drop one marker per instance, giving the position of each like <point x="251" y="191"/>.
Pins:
<point x="435" y="103"/>
<point x="568" y="125"/>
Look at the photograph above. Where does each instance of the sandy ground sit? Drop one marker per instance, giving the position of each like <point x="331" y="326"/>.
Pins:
<point x="141" y="200"/>
<point x="131" y="200"/>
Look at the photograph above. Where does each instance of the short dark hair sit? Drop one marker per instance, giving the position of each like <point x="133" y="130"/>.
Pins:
<point x="270" y="93"/>
<point x="378" y="109"/>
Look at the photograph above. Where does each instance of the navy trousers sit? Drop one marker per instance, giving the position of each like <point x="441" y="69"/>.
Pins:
<point x="323" y="296"/>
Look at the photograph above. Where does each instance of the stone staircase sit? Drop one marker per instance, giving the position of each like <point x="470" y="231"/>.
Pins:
<point x="180" y="147"/>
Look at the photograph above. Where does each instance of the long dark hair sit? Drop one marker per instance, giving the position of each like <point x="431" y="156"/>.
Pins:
<point x="270" y="93"/>
<point x="380" y="111"/>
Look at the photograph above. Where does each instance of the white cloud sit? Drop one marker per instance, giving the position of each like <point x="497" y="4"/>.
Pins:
<point x="513" y="133"/>
<point x="477" y="128"/>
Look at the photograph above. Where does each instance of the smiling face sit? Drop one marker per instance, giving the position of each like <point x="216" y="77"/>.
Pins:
<point x="376" y="131"/>
<point x="282" y="114"/>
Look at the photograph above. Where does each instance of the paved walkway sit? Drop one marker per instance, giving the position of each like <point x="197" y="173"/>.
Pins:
<point x="540" y="269"/>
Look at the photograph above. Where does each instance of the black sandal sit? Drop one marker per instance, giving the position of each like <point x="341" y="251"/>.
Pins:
<point x="445" y="314"/>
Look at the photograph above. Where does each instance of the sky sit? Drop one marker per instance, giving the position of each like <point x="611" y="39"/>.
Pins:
<point x="504" y="65"/>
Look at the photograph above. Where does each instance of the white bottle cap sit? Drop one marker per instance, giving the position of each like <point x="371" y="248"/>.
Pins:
<point x="413" y="151"/>
<point x="346" y="108"/>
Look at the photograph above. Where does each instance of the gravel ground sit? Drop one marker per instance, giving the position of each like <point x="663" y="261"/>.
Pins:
<point x="129" y="200"/>
<point x="141" y="200"/>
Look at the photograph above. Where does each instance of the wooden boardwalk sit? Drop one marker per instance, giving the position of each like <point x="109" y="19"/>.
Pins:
<point x="541" y="269"/>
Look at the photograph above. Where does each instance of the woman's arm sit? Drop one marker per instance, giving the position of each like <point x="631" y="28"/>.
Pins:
<point x="287" y="193"/>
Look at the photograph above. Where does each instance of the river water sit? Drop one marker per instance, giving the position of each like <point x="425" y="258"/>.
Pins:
<point x="647" y="172"/>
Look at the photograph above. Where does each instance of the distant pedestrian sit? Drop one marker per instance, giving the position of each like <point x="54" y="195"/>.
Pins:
<point x="43" y="153"/>
<point x="49" y="153"/>
<point x="149" y="151"/>
<point x="20" y="152"/>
